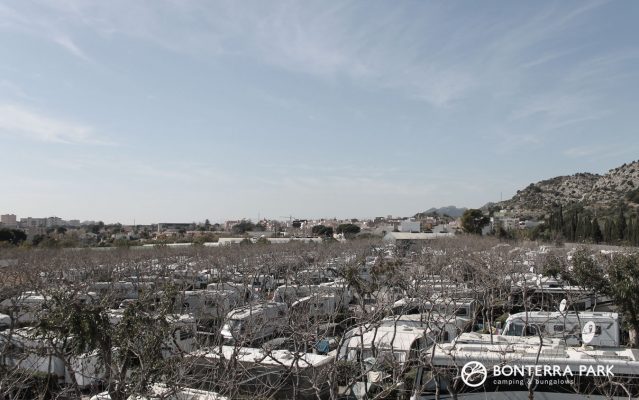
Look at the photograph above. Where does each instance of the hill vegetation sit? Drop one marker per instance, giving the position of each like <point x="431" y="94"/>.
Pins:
<point x="583" y="207"/>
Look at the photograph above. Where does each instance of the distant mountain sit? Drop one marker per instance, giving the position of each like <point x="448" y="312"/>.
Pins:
<point x="450" y="211"/>
<point x="618" y="187"/>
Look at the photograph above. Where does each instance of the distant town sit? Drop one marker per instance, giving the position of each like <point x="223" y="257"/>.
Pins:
<point x="58" y="232"/>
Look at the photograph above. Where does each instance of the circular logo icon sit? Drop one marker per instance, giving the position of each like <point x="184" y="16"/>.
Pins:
<point x="474" y="374"/>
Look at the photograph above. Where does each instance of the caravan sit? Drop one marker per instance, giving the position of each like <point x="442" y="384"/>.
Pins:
<point x="567" y="326"/>
<point x="207" y="306"/>
<point x="254" y="322"/>
<point x="24" y="309"/>
<point x="289" y="294"/>
<point x="437" y="306"/>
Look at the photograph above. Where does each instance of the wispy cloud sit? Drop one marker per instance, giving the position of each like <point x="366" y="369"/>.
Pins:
<point x="427" y="58"/>
<point x="16" y="120"/>
<point x="600" y="151"/>
<point x="68" y="44"/>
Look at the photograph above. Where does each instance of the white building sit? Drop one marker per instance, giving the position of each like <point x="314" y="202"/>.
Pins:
<point x="410" y="226"/>
<point x="8" y="220"/>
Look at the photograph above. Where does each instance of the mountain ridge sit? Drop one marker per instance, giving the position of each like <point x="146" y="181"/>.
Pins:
<point x="619" y="187"/>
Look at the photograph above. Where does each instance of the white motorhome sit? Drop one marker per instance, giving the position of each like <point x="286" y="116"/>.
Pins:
<point x="186" y="278"/>
<point x="317" y="306"/>
<point x="399" y="335"/>
<point x="437" y="306"/>
<point x="182" y="339"/>
<point x="567" y="326"/>
<point x="477" y="366"/>
<point x="289" y="294"/>
<point x="279" y="374"/>
<point x="242" y="290"/>
<point x="24" y="309"/>
<point x="396" y="341"/>
<point x="207" y="305"/>
<point x="115" y="292"/>
<point x="543" y="293"/>
<point x="164" y="392"/>
<point x="315" y="276"/>
<point x="28" y="350"/>
<point x="254" y="322"/>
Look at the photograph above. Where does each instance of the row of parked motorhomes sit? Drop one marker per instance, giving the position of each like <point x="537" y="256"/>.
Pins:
<point x="435" y="330"/>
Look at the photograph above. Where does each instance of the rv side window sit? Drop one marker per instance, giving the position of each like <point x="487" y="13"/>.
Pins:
<point x="461" y="311"/>
<point x="558" y="328"/>
<point x="531" y="330"/>
<point x="597" y="330"/>
<point x="515" y="330"/>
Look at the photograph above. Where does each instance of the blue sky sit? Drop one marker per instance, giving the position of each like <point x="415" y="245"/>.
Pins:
<point x="186" y="110"/>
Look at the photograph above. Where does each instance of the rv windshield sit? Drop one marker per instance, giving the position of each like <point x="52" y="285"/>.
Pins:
<point x="513" y="329"/>
<point x="235" y="325"/>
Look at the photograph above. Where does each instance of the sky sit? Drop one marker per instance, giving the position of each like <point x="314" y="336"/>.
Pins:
<point x="179" y="111"/>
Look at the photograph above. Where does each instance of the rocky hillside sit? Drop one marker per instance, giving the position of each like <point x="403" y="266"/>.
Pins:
<point x="451" y="211"/>
<point x="619" y="185"/>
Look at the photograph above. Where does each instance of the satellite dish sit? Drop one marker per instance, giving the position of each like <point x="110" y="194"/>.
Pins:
<point x="588" y="332"/>
<point x="563" y="305"/>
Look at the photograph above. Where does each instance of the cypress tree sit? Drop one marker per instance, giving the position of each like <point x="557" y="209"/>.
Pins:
<point x="597" y="236"/>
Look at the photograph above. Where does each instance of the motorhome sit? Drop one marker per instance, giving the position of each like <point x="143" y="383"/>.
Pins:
<point x="160" y="391"/>
<point x="317" y="307"/>
<point x="25" y="348"/>
<point x="315" y="276"/>
<point x="182" y="334"/>
<point x="263" y="283"/>
<point x="254" y="322"/>
<point x="243" y="290"/>
<point x="277" y="374"/>
<point x="189" y="279"/>
<point x="24" y="309"/>
<point x="289" y="294"/>
<point x="542" y="293"/>
<point x="567" y="326"/>
<point x="476" y="366"/>
<point x="399" y="335"/>
<point x="395" y="341"/>
<point x="207" y="306"/>
<point x="438" y="306"/>
<point x="115" y="292"/>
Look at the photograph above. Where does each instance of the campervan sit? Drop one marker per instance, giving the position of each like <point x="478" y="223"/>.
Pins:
<point x="261" y="373"/>
<point x="567" y="326"/>
<point x="437" y="306"/>
<point x="289" y="294"/>
<point x="207" y="305"/>
<point x="182" y="333"/>
<point x="254" y="322"/>
<point x="399" y="336"/>
<point x="24" y="309"/>
<point x="317" y="306"/>
<point x="115" y="292"/>
<point x="395" y="341"/>
<point x="242" y="290"/>
<point x="159" y="391"/>
<point x="507" y="367"/>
